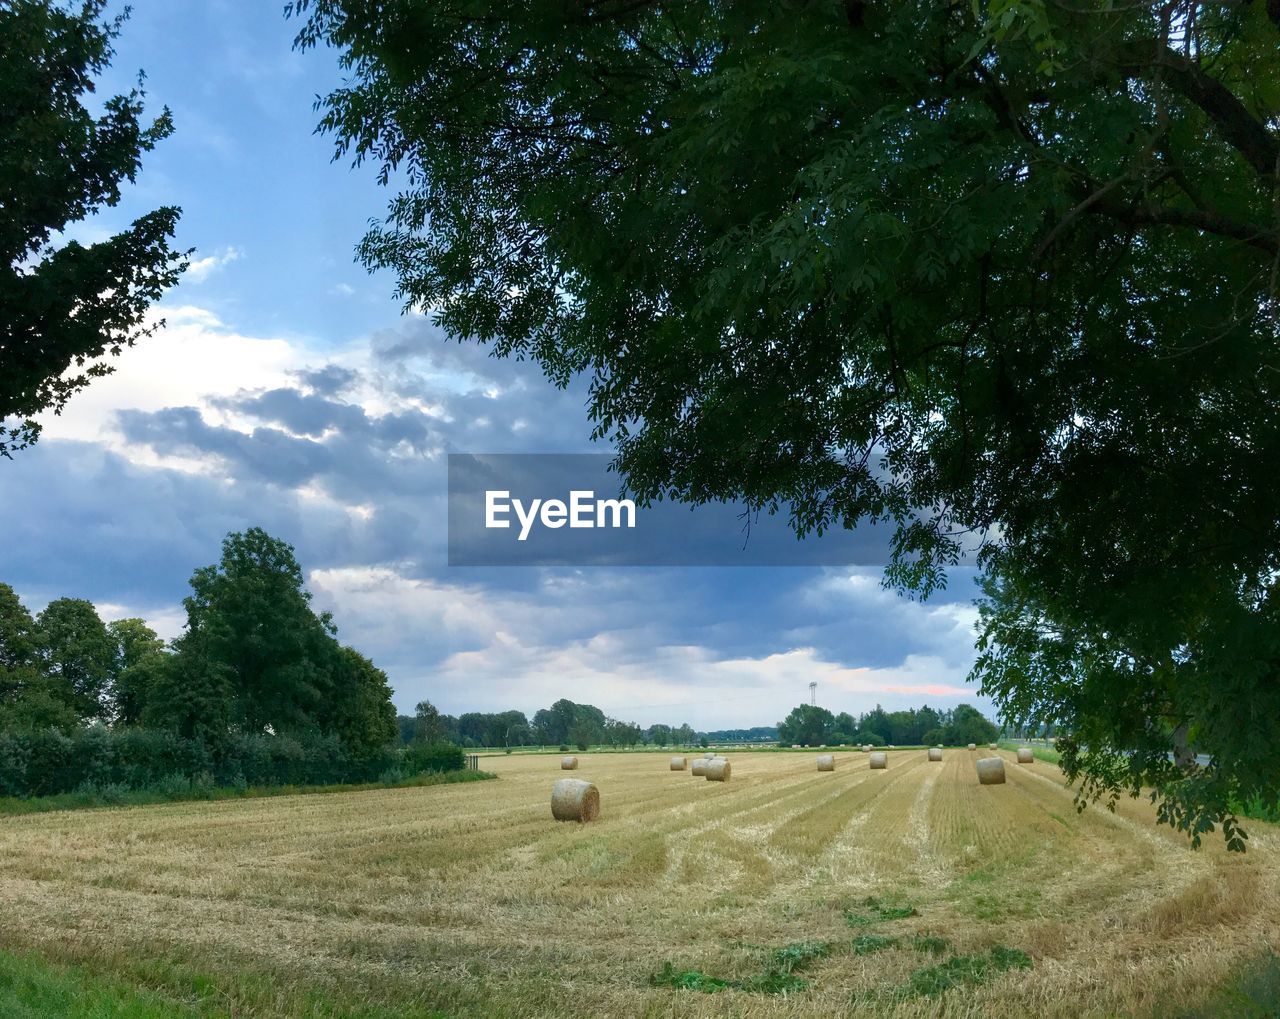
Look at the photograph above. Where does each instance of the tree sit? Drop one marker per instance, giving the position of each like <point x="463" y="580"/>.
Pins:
<point x="77" y="654"/>
<point x="968" y="725"/>
<point x="137" y="663"/>
<point x="808" y="725"/>
<point x="66" y="305"/>
<point x="360" y="710"/>
<point x="194" y="694"/>
<point x="254" y="620"/>
<point x="427" y="727"/>
<point x="19" y="643"/>
<point x="994" y="272"/>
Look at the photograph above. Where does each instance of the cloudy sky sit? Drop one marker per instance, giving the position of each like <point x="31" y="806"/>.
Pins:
<point x="288" y="391"/>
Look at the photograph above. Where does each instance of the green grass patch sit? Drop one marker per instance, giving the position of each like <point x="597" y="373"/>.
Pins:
<point x="93" y="798"/>
<point x="33" y="989"/>
<point x="966" y="970"/>
<point x="779" y="978"/>
<point x="874" y="911"/>
<point x="799" y="954"/>
<point x="688" y="980"/>
<point x="869" y="944"/>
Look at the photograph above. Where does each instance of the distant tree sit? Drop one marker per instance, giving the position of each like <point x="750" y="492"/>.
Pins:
<point x="684" y="736"/>
<point x="77" y="654"/>
<point x="63" y="306"/>
<point x="138" y="661"/>
<point x="865" y="736"/>
<point x="583" y="732"/>
<point x="660" y="735"/>
<point x="807" y="724"/>
<point x="876" y="721"/>
<point x="427" y="727"/>
<point x="968" y="725"/>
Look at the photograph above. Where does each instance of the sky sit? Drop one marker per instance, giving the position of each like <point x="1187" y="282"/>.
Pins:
<point x="287" y="390"/>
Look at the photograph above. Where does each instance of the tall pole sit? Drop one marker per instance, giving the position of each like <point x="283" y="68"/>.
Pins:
<point x="813" y="693"/>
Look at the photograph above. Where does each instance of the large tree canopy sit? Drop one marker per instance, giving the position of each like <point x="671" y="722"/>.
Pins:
<point x="64" y="305"/>
<point x="1004" y="269"/>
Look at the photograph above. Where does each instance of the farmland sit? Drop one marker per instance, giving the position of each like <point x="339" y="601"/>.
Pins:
<point x="783" y="892"/>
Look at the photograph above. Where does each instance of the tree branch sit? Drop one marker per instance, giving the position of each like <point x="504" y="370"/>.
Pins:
<point x="1238" y="127"/>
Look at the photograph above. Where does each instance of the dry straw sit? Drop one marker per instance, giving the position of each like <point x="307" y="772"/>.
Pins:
<point x="574" y="800"/>
<point x="710" y="755"/>
<point x="677" y="763"/>
<point x="879" y="760"/>
<point x="700" y="766"/>
<point x="826" y="762"/>
<point x="990" y="770"/>
<point x="866" y="748"/>
<point x="973" y="746"/>
<point x="935" y="754"/>
<point x="718" y="770"/>
<point x="1025" y="756"/>
<point x="991" y="746"/>
<point x="568" y="764"/>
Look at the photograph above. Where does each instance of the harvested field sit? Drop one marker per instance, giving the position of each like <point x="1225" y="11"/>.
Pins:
<point x="860" y="889"/>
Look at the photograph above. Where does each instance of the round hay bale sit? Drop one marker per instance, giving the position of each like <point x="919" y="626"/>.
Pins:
<point x="678" y="763"/>
<point x="990" y="770"/>
<point x="866" y="748"/>
<point x="992" y="746"/>
<point x="574" y="800"/>
<point x="718" y="770"/>
<point x="893" y="746"/>
<point x="826" y="762"/>
<point x="935" y="754"/>
<point x="710" y="755"/>
<point x="699" y="766"/>
<point x="1025" y="756"/>
<point x="973" y="746"/>
<point x="568" y="764"/>
<point x="879" y="760"/>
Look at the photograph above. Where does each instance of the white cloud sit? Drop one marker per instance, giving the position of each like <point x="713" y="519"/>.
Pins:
<point x="201" y="269"/>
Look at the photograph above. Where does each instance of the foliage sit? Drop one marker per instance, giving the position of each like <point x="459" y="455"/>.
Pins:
<point x="816" y="726"/>
<point x="778" y="978"/>
<point x="434" y="757"/>
<point x="64" y="305"/>
<point x="998" y="273"/>
<point x="77" y="654"/>
<point x="178" y="788"/>
<point x="807" y="724"/>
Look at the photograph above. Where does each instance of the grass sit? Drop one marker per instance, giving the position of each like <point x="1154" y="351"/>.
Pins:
<point x="94" y="798"/>
<point x="1252" y="993"/>
<point x="469" y="900"/>
<point x="872" y="910"/>
<point x="33" y="989"/>
<point x="966" y="970"/>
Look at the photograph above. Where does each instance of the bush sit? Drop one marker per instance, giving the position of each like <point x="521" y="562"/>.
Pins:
<point x="874" y="738"/>
<point x="434" y="757"/>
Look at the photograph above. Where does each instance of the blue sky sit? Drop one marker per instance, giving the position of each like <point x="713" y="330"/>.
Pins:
<point x="288" y="391"/>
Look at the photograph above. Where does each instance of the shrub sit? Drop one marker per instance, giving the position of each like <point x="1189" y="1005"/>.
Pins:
<point x="434" y="757"/>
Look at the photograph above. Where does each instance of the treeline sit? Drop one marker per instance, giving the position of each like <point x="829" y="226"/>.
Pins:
<point x="563" y="724"/>
<point x="257" y="688"/>
<point x="756" y="734"/>
<point x="809" y="725"/>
